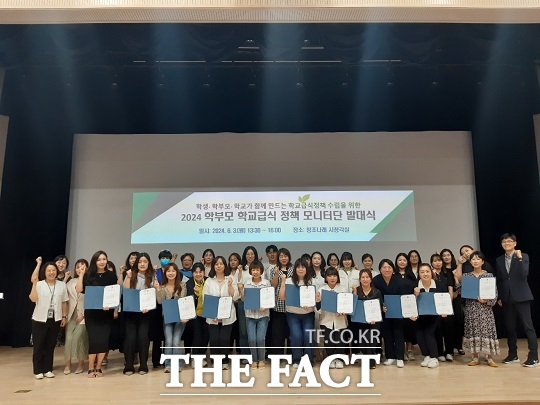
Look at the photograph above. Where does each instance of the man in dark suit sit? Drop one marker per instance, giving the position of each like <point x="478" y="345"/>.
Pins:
<point x="515" y="297"/>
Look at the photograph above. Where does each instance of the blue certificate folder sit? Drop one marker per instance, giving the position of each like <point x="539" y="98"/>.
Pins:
<point x="393" y="306"/>
<point x="93" y="297"/>
<point x="131" y="301"/>
<point x="171" y="314"/>
<point x="210" y="306"/>
<point x="426" y="304"/>
<point x="292" y="296"/>
<point x="328" y="301"/>
<point x="359" y="315"/>
<point x="252" y="299"/>
<point x="470" y="287"/>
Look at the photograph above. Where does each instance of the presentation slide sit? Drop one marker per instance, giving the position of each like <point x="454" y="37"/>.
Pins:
<point x="285" y="216"/>
<point x="380" y="193"/>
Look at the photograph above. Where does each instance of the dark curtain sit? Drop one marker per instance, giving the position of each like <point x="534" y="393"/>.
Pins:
<point x="66" y="79"/>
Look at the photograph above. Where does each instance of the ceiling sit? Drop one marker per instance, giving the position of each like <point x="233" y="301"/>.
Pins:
<point x="212" y="11"/>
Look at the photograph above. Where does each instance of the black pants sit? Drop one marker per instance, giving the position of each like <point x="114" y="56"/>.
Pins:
<point x="355" y="329"/>
<point x="394" y="341"/>
<point x="156" y="334"/>
<point x="279" y="332"/>
<point x="187" y="337"/>
<point x="459" y="322"/>
<point x="220" y="337"/>
<point x="513" y="310"/>
<point x="136" y="339"/>
<point x="369" y="338"/>
<point x="333" y="343"/>
<point x="425" y="335"/>
<point x="44" y="336"/>
<point x="445" y="335"/>
<point x="200" y="335"/>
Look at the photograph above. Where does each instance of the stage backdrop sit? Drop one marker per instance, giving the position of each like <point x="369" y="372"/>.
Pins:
<point x="108" y="169"/>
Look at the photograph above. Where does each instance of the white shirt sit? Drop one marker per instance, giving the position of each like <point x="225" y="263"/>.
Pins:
<point x="221" y="289"/>
<point x="44" y="293"/>
<point x="329" y="319"/>
<point x="349" y="279"/>
<point x="318" y="280"/>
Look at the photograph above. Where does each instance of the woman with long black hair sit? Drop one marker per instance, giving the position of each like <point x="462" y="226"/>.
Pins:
<point x="98" y="321"/>
<point x="140" y="277"/>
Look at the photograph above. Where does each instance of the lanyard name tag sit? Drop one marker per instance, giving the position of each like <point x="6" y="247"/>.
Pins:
<point x="50" y="313"/>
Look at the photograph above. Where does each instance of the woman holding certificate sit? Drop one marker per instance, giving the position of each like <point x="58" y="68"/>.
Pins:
<point x="301" y="320"/>
<point x="390" y="283"/>
<point x="427" y="324"/>
<point x="172" y="287"/>
<point x="366" y="291"/>
<point x="333" y="324"/>
<point x="98" y="321"/>
<point x="137" y="324"/>
<point x="480" y="334"/>
<point x="256" y="320"/>
<point x="221" y="284"/>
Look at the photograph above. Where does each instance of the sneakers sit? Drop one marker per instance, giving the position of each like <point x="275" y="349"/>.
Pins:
<point x="39" y="376"/>
<point x="225" y="366"/>
<point x="511" y="359"/>
<point x="474" y="362"/>
<point x="295" y="365"/>
<point x="332" y="364"/>
<point x="433" y="363"/>
<point x="410" y="355"/>
<point x="49" y="374"/>
<point x="400" y="363"/>
<point x="389" y="362"/>
<point x="167" y="369"/>
<point x="531" y="363"/>
<point x="339" y="364"/>
<point x="442" y="358"/>
<point x="425" y="362"/>
<point x="491" y="363"/>
<point x="449" y="357"/>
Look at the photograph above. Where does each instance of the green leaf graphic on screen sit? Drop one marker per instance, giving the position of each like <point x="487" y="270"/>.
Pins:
<point x="141" y="201"/>
<point x="304" y="198"/>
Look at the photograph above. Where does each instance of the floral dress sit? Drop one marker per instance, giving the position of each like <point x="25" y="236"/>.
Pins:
<point x="480" y="333"/>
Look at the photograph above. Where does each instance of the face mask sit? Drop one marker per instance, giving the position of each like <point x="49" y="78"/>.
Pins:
<point x="164" y="262"/>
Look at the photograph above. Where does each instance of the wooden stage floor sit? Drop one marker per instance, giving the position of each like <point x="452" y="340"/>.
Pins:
<point x="451" y="383"/>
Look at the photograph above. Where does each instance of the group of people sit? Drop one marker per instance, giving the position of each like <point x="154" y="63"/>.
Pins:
<point x="59" y="299"/>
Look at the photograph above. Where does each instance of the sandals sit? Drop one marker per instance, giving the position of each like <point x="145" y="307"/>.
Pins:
<point x="98" y="373"/>
<point x="91" y="374"/>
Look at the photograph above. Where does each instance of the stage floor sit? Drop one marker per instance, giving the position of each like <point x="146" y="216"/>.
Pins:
<point x="451" y="383"/>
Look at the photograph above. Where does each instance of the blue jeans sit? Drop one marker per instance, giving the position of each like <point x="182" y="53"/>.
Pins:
<point x="256" y="332"/>
<point x="173" y="338"/>
<point x="301" y="335"/>
<point x="242" y="328"/>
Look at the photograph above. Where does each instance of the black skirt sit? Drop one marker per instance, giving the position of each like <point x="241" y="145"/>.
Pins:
<point x="98" y="326"/>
